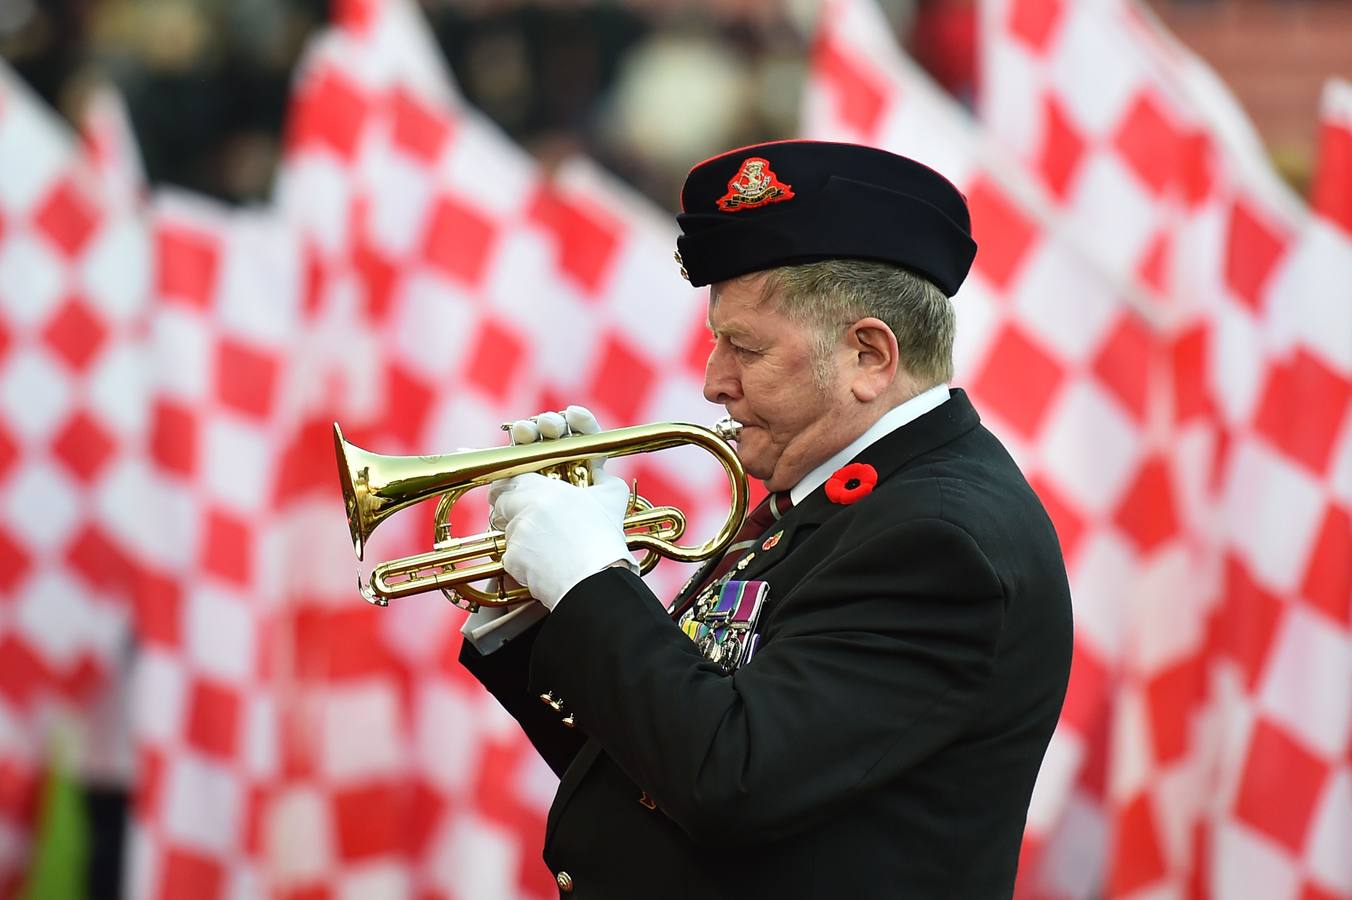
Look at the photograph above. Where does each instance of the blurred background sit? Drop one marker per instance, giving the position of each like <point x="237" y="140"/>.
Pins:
<point x="643" y="86"/>
<point x="1169" y="356"/>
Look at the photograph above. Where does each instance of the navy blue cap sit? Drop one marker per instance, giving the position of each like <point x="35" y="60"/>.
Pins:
<point x="790" y="202"/>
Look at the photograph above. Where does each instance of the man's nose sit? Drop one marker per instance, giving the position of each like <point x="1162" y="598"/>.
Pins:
<point x="720" y="380"/>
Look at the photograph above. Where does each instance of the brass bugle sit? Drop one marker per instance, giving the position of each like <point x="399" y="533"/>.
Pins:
<point x="376" y="487"/>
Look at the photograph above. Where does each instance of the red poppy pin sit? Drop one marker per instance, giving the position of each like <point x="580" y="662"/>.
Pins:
<point x="851" y="483"/>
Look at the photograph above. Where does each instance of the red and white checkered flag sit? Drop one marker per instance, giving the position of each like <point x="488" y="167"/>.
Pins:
<point x="1148" y="156"/>
<point x="72" y="269"/>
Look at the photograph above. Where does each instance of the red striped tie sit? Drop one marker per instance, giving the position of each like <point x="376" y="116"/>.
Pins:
<point x="756" y="524"/>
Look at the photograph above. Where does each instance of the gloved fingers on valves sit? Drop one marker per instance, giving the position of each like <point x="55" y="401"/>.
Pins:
<point x="524" y="431"/>
<point x="552" y="425"/>
<point x="581" y="420"/>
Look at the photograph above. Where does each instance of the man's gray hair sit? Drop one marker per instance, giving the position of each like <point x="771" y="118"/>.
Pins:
<point x="829" y="295"/>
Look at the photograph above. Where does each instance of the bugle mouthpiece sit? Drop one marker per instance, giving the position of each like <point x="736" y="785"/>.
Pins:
<point x="728" y="428"/>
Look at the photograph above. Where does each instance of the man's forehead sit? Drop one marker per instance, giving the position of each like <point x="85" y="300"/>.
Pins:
<point x="745" y="305"/>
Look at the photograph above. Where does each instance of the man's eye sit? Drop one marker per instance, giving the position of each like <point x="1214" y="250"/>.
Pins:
<point x="743" y="351"/>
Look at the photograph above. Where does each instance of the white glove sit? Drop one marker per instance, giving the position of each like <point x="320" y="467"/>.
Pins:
<point x="558" y="533"/>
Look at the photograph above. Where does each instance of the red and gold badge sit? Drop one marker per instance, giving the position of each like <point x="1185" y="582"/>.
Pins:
<point x="755" y="184"/>
<point x="851" y="483"/>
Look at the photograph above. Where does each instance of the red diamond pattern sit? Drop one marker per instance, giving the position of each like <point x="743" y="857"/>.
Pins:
<point x="1332" y="192"/>
<point x="1019" y="381"/>
<point x="150" y="786"/>
<point x="158" y="602"/>
<point x="1136" y="854"/>
<point x="227" y="547"/>
<point x="355" y="15"/>
<point x="499" y="356"/>
<point x="1191" y="395"/>
<point x="173" y="436"/>
<point x="1070" y="525"/>
<point x="9" y="451"/>
<point x="1302" y="410"/>
<point x="623" y="380"/>
<point x="698" y="346"/>
<point x="419" y="130"/>
<point x="246" y="379"/>
<point x="1328" y="576"/>
<point x="1248" y="621"/>
<point x="22" y="672"/>
<point x="1088" y="695"/>
<point x="102" y="562"/>
<point x="303" y="471"/>
<point x="1153" y="268"/>
<point x="1280" y="786"/>
<point x="1252" y="249"/>
<point x="859" y="93"/>
<point x="213" y="723"/>
<point x="341" y="644"/>
<point x="379" y="275"/>
<point x="1149" y="143"/>
<point x="330" y="113"/>
<point x="188" y="874"/>
<point x="459" y="240"/>
<point x="84" y="446"/>
<point x="75" y="334"/>
<point x="68" y="218"/>
<point x="1174" y="695"/>
<point x="1033" y="21"/>
<point x="1199" y="167"/>
<point x="408" y="398"/>
<point x="15" y="567"/>
<point x="1003" y="233"/>
<point x="1146" y="515"/>
<point x="1062" y="147"/>
<point x="1123" y="364"/>
<point x="586" y="238"/>
<point x="187" y="262"/>
<point x="368" y="820"/>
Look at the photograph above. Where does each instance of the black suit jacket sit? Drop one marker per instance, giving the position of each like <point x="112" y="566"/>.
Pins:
<point x="885" y="738"/>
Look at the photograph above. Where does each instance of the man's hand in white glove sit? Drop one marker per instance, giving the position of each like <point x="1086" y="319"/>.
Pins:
<point x="490" y="627"/>
<point x="558" y="534"/>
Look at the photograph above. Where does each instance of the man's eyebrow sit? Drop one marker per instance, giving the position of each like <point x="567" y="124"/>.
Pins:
<point x="729" y="328"/>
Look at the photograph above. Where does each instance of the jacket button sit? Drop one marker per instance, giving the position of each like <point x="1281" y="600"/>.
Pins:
<point x="565" y="882"/>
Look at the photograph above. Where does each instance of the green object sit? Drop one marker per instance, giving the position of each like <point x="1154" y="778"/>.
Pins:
<point x="61" y="851"/>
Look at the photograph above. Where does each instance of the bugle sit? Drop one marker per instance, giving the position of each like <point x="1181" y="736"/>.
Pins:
<point x="376" y="487"/>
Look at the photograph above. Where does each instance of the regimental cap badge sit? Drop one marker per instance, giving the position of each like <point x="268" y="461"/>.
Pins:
<point x="772" y="540"/>
<point x="755" y="184"/>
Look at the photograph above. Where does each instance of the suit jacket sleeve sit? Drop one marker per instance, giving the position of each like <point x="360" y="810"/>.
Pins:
<point x="504" y="674"/>
<point x="875" y="660"/>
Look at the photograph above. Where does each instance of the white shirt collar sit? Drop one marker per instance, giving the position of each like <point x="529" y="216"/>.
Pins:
<point x="891" y="420"/>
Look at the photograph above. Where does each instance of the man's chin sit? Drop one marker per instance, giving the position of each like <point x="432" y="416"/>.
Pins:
<point x="755" y="465"/>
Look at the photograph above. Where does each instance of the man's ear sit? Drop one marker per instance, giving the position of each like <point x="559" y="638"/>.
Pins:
<point x="875" y="357"/>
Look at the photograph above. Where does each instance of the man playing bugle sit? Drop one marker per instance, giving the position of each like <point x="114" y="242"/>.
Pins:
<point x="854" y="701"/>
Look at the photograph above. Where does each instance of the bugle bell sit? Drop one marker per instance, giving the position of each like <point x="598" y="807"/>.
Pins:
<point x="376" y="487"/>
